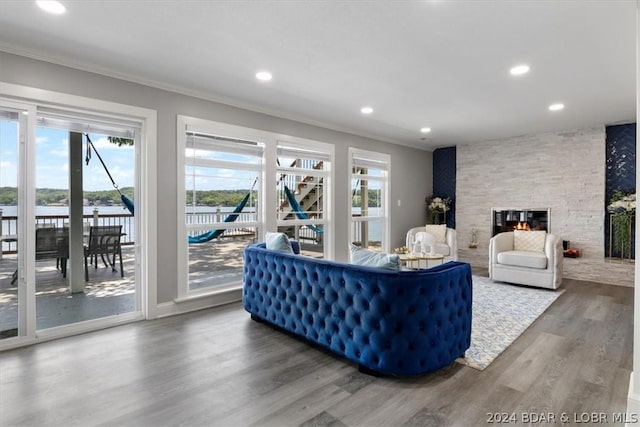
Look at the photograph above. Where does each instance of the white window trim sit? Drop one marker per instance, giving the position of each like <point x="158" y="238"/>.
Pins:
<point x="146" y="212"/>
<point x="266" y="216"/>
<point x="184" y="124"/>
<point x="378" y="157"/>
<point x="326" y="174"/>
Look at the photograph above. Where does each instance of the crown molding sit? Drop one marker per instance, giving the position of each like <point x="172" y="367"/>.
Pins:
<point x="206" y="96"/>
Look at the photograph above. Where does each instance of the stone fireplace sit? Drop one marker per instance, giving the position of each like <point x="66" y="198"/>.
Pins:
<point x="509" y="219"/>
<point x="535" y="171"/>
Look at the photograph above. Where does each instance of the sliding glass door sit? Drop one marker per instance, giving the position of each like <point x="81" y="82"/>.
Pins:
<point x="53" y="198"/>
<point x="76" y="159"/>
<point x="14" y="138"/>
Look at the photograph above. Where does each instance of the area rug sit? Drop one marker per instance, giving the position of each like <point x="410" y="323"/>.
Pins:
<point x="500" y="314"/>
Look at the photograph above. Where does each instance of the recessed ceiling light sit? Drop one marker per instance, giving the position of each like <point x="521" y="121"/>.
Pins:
<point x="52" y="6"/>
<point x="519" y="70"/>
<point x="425" y="130"/>
<point x="556" y="107"/>
<point x="265" y="76"/>
<point x="366" y="110"/>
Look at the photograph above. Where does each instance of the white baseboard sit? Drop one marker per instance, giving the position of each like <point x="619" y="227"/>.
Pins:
<point x="172" y="308"/>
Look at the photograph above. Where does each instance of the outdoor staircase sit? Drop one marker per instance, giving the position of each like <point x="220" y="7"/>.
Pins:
<point x="307" y="194"/>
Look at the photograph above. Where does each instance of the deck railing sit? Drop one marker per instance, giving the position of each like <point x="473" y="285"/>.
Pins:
<point x="208" y="217"/>
<point x="8" y="224"/>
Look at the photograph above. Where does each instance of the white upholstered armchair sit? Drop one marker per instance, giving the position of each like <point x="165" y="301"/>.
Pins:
<point x="514" y="259"/>
<point x="445" y="240"/>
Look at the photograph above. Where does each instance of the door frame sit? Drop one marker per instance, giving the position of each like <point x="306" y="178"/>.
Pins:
<point x="146" y="210"/>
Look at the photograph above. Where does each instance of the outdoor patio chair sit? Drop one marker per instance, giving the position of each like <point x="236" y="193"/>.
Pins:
<point x="53" y="243"/>
<point x="104" y="240"/>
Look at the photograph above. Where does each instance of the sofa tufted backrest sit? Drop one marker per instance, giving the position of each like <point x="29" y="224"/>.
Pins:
<point x="404" y="323"/>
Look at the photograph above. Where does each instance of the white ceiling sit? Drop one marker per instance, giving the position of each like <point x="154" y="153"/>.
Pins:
<point x="441" y="64"/>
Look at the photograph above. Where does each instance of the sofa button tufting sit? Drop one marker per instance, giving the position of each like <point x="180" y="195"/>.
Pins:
<point x="295" y="296"/>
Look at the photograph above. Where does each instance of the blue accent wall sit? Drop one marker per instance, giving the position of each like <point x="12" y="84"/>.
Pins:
<point x="444" y="179"/>
<point x="621" y="169"/>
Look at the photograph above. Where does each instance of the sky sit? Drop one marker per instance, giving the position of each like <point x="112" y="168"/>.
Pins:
<point x="52" y="160"/>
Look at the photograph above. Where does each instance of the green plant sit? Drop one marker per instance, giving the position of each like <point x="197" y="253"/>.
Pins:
<point x="623" y="207"/>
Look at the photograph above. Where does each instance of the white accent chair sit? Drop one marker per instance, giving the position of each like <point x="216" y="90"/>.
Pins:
<point x="448" y="249"/>
<point x="531" y="268"/>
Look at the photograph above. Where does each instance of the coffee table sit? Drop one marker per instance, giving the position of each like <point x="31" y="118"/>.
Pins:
<point x="421" y="261"/>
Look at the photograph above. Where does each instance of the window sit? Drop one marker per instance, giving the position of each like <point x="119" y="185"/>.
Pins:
<point x="302" y="194"/>
<point x="238" y="183"/>
<point x="369" y="199"/>
<point x="220" y="202"/>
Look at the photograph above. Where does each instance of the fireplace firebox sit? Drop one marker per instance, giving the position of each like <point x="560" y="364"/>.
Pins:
<point x="519" y="219"/>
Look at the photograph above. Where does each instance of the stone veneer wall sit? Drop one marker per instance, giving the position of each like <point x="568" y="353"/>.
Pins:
<point x="563" y="171"/>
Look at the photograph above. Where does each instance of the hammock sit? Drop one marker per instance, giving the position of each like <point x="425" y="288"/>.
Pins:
<point x="212" y="234"/>
<point x="128" y="203"/>
<point x="297" y="209"/>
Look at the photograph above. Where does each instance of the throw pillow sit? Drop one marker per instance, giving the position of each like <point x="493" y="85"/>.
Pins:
<point x="437" y="231"/>
<point x="532" y="241"/>
<point x="278" y="242"/>
<point x="367" y="258"/>
<point x="295" y="246"/>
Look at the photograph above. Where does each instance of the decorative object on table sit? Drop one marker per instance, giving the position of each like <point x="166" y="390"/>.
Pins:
<point x="500" y="314"/>
<point x="424" y="243"/>
<point x="473" y="243"/>
<point x="401" y="250"/>
<point x="437" y="207"/>
<point x="622" y="208"/>
<point x="450" y="246"/>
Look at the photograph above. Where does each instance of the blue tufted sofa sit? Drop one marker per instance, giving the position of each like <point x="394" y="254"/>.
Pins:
<point x="394" y="323"/>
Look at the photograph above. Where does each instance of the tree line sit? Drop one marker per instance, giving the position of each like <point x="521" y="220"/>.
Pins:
<point x="50" y="196"/>
<point x="54" y="196"/>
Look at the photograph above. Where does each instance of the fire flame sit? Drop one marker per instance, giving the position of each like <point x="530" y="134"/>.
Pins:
<point x="523" y="226"/>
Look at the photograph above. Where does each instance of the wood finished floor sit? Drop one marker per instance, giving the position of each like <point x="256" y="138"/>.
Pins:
<point x="218" y="368"/>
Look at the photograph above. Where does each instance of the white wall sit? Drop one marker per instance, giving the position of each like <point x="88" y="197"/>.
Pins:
<point x="411" y="169"/>
<point x="563" y="171"/>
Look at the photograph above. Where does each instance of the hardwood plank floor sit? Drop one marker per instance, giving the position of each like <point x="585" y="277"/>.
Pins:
<point x="218" y="367"/>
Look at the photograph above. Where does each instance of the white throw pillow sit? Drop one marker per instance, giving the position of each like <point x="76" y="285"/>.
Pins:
<point x="278" y="242"/>
<point x="437" y="231"/>
<point x="367" y="258"/>
<point x="529" y="240"/>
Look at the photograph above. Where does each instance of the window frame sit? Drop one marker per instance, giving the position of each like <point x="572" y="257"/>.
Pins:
<point x="385" y="160"/>
<point x="326" y="153"/>
<point x="266" y="219"/>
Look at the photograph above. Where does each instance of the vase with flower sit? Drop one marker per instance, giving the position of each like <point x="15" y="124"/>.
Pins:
<point x="437" y="209"/>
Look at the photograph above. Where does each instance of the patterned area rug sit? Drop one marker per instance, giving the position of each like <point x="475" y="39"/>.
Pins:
<point x="501" y="312"/>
